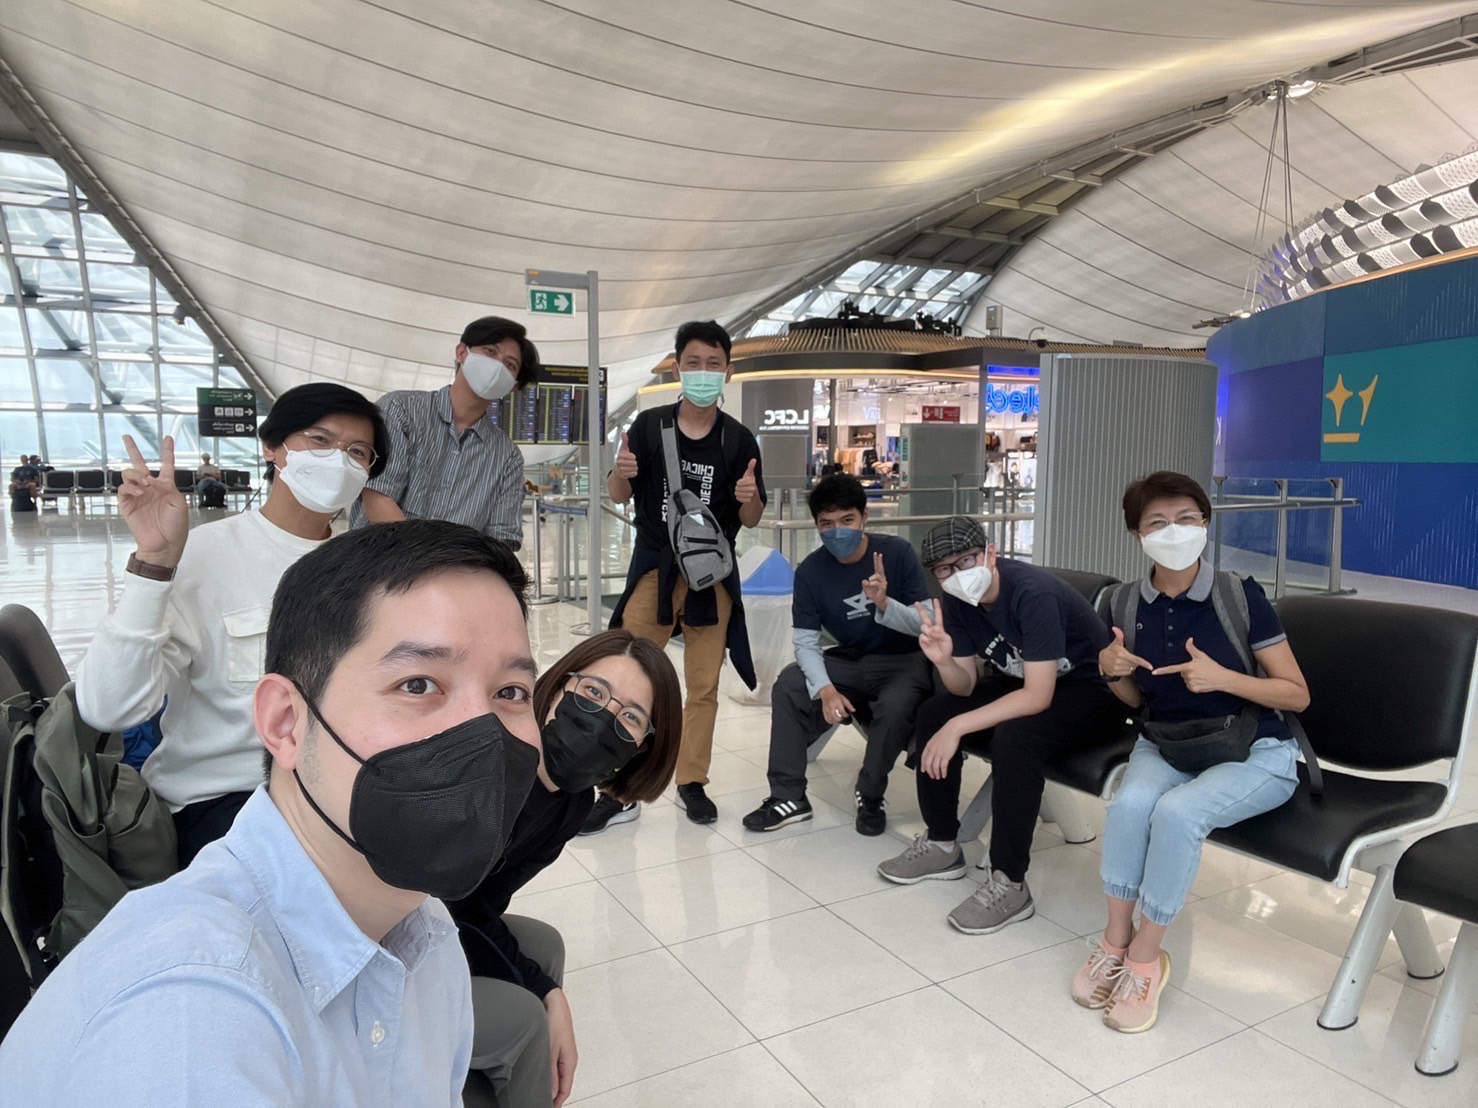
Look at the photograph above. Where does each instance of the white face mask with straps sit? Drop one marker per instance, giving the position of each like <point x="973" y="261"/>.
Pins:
<point x="968" y="585"/>
<point x="490" y="378"/>
<point x="320" y="483"/>
<point x="1175" y="547"/>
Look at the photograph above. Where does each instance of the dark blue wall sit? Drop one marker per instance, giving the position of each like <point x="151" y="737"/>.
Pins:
<point x="1402" y="431"/>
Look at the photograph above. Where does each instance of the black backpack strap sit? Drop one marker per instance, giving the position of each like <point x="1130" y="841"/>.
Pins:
<point x="1124" y="608"/>
<point x="671" y="457"/>
<point x="1306" y="748"/>
<point x="1230" y="601"/>
<point x="1229" y="598"/>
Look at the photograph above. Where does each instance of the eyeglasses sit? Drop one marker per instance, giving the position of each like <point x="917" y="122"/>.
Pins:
<point x="322" y="444"/>
<point x="945" y="570"/>
<point x="633" y="722"/>
<point x="1185" y="519"/>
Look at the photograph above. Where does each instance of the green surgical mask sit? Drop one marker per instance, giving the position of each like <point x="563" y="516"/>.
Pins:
<point x="702" y="387"/>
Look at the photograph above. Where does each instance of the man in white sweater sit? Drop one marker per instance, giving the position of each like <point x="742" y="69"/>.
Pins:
<point x="191" y="624"/>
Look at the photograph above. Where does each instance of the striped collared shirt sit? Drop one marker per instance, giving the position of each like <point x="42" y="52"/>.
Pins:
<point x="431" y="473"/>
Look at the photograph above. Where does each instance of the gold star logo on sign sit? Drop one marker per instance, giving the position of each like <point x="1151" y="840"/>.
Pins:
<point x="1339" y="396"/>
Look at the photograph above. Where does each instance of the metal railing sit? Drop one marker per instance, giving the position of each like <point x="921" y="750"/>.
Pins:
<point x="791" y="520"/>
<point x="1224" y="504"/>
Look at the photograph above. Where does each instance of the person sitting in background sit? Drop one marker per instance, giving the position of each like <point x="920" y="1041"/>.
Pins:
<point x="612" y="716"/>
<point x="210" y="484"/>
<point x="192" y="620"/>
<point x="305" y="958"/>
<point x="25" y="486"/>
<point x="876" y="663"/>
<point x="1041" y="640"/>
<point x="450" y="460"/>
<point x="1180" y="672"/>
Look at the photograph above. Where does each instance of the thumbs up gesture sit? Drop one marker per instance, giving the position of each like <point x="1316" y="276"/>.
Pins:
<point x="748" y="488"/>
<point x="875" y="588"/>
<point x="1201" y="674"/>
<point x="625" y="460"/>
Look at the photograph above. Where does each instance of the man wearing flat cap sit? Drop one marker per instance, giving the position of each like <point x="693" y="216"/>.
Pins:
<point x="1017" y="651"/>
<point x="448" y="459"/>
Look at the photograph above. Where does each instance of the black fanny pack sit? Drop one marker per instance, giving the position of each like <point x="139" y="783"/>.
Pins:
<point x="1194" y="745"/>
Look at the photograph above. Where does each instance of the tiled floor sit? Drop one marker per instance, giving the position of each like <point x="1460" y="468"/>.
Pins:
<point x="712" y="965"/>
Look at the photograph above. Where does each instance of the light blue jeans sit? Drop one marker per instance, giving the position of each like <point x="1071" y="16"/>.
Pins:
<point x="1160" y="817"/>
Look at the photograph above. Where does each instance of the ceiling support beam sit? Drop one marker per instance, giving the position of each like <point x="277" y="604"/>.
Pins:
<point x="14" y="93"/>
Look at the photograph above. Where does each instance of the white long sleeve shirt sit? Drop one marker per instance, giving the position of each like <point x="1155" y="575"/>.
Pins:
<point x="201" y="641"/>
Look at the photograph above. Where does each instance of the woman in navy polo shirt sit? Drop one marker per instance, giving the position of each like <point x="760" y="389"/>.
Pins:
<point x="1183" y="668"/>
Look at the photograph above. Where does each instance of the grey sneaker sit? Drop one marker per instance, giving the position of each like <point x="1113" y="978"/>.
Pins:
<point x="992" y="906"/>
<point x="924" y="861"/>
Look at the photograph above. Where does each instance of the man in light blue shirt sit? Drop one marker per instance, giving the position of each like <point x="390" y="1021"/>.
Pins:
<point x="299" y="960"/>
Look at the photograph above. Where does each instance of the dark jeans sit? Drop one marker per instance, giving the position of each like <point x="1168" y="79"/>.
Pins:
<point x="199" y="824"/>
<point x="1083" y="714"/>
<point x="891" y="686"/>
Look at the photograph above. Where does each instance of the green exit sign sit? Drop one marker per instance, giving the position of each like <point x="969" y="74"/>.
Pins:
<point x="551" y="302"/>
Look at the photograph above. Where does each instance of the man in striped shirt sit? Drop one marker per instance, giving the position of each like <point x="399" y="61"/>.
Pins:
<point x="447" y="459"/>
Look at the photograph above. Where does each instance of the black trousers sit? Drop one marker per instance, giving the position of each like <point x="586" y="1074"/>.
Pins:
<point x="1083" y="714"/>
<point x="199" y="824"/>
<point x="889" y="687"/>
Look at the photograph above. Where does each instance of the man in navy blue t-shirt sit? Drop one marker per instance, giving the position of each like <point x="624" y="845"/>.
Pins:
<point x="1038" y="639"/>
<point x="875" y="668"/>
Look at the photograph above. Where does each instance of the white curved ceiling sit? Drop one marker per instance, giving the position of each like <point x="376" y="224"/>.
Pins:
<point x="344" y="183"/>
<point x="1168" y="243"/>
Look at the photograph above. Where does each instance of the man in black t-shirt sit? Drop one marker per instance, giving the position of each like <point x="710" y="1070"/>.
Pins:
<point x="860" y="589"/>
<point x="720" y="463"/>
<point x="1040" y="639"/>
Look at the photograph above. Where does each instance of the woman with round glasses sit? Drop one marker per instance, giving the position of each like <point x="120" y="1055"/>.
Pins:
<point x="190" y="628"/>
<point x="612" y="717"/>
<point x="1222" y="751"/>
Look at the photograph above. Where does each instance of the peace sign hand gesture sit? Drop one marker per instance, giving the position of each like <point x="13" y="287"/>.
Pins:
<point x="156" y="513"/>
<point x="875" y="588"/>
<point x="934" y="640"/>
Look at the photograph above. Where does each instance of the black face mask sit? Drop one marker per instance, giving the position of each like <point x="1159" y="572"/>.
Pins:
<point x="583" y="746"/>
<point x="434" y="816"/>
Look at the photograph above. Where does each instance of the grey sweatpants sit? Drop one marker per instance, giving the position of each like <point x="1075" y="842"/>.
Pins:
<point x="510" y="1032"/>
<point x="887" y="687"/>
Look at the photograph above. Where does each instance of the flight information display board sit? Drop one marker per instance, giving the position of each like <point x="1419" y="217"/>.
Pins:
<point x="552" y="410"/>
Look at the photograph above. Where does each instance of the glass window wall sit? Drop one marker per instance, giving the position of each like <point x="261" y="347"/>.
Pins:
<point x="92" y="360"/>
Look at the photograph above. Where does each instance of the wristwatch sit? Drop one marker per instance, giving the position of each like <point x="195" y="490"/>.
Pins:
<point x="148" y="570"/>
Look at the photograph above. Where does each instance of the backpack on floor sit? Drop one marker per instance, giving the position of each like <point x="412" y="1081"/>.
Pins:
<point x="1229" y="600"/>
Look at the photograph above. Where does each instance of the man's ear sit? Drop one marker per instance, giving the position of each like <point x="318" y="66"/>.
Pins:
<point x="990" y="555"/>
<point x="459" y="355"/>
<point x="277" y="709"/>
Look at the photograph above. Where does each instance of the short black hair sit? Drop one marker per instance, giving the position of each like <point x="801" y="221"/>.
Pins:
<point x="493" y="329"/>
<point x="300" y="408"/>
<point x="839" y="492"/>
<point x="709" y="332"/>
<point x="1161" y="485"/>
<point x="320" y="608"/>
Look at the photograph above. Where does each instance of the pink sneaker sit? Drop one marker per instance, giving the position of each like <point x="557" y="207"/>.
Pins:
<point x="1094" y="981"/>
<point x="1135" y="1003"/>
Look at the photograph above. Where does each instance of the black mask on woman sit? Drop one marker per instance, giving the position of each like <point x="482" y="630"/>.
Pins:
<point x="584" y="746"/>
<point x="434" y="816"/>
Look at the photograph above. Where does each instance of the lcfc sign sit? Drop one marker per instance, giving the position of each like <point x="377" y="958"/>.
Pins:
<point x="786" y="419"/>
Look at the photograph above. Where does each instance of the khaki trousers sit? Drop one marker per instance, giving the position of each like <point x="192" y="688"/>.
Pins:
<point x="703" y="657"/>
